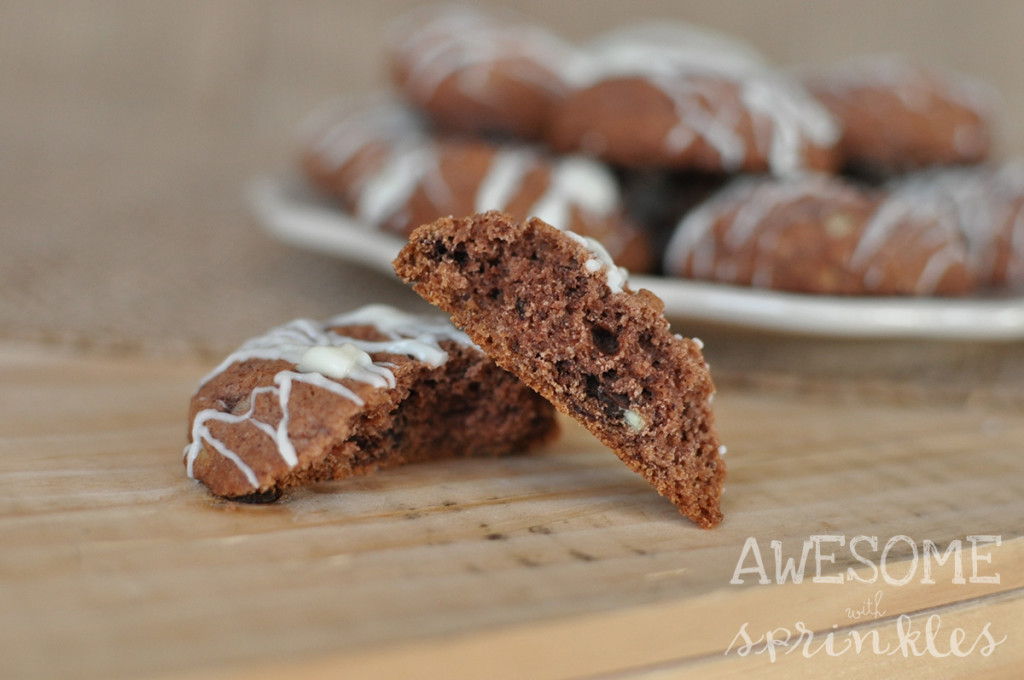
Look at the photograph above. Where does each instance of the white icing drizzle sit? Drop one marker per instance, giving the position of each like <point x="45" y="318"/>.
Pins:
<point x="1010" y="182"/>
<point x="503" y="180"/>
<point x="749" y="202"/>
<point x="345" y="361"/>
<point x="692" y="235"/>
<point x="574" y="181"/>
<point x="898" y="209"/>
<point x="1015" y="267"/>
<point x="976" y="205"/>
<point x="412" y="161"/>
<point x="393" y="185"/>
<point x="752" y="200"/>
<point x="793" y="114"/>
<point x="914" y="83"/>
<point x="666" y="49"/>
<point x="341" y="128"/>
<point x="600" y="261"/>
<point x="717" y="127"/>
<point x="284" y="382"/>
<point x="677" y="59"/>
<point x="380" y="185"/>
<point x="437" y="43"/>
<point x="958" y="216"/>
<point x="918" y="200"/>
<point x="320" y="354"/>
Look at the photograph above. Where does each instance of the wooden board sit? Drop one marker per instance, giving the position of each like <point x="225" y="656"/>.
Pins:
<point x="563" y="563"/>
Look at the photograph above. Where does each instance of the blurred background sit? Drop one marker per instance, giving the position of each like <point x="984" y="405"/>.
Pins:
<point x="129" y="130"/>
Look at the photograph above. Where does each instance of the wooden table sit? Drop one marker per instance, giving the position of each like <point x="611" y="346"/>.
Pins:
<point x="559" y="564"/>
<point x="128" y="133"/>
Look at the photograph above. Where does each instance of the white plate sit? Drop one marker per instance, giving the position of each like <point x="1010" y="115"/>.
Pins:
<point x="295" y="215"/>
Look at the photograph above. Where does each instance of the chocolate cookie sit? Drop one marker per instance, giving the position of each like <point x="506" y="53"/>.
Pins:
<point x="1008" y="264"/>
<point x="552" y="308"/>
<point x="819" y="234"/>
<point x="985" y="204"/>
<point x="657" y="199"/>
<point x="477" y="72"/>
<point x="898" y="114"/>
<point x="371" y="389"/>
<point x="394" y="176"/>
<point x="676" y="97"/>
<point x="350" y="141"/>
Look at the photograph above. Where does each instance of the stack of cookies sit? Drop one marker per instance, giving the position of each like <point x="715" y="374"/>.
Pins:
<point x="686" y="154"/>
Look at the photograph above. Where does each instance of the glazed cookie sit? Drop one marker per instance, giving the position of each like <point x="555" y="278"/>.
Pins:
<point x="1008" y="263"/>
<point x="349" y="141"/>
<point x="475" y="72"/>
<point x="899" y="115"/>
<point x="371" y="389"/>
<point x="395" y="177"/>
<point x="818" y="234"/>
<point x="677" y="97"/>
<point x="983" y="203"/>
<point x="658" y="199"/>
<point x="552" y="308"/>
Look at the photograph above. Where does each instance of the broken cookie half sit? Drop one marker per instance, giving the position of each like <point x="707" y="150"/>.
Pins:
<point x="375" y="388"/>
<point x="552" y="308"/>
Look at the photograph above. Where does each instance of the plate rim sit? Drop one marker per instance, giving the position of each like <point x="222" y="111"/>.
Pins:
<point x="289" y="211"/>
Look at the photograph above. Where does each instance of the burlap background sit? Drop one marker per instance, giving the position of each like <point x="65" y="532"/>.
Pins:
<point x="128" y="131"/>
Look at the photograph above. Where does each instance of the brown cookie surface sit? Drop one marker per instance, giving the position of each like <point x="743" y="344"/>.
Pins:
<point x="984" y="204"/>
<point x="393" y="175"/>
<point x="477" y="72"/>
<point x="551" y="307"/>
<point x="897" y="114"/>
<point x="371" y="389"/>
<point x="819" y="235"/>
<point x="672" y="96"/>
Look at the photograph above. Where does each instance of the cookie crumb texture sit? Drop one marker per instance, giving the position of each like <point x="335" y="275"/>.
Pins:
<point x="539" y="303"/>
<point x="264" y="422"/>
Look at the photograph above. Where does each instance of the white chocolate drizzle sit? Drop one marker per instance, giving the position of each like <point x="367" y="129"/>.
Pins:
<point x="412" y="161"/>
<point x="794" y="116"/>
<point x="915" y="201"/>
<point x="913" y="83"/>
<point x="438" y="43"/>
<point x="345" y="361"/>
<point x="574" y="181"/>
<point x="341" y="128"/>
<point x="753" y="200"/>
<point x="600" y="261"/>
<point x="976" y="205"/>
<point x="1011" y="189"/>
<point x="321" y="357"/>
<point x="960" y="217"/>
<point x="662" y="49"/>
<point x="393" y="185"/>
<point x="504" y="178"/>
<point x="682" y="61"/>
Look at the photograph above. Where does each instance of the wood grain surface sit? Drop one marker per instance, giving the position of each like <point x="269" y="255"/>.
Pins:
<point x="558" y="564"/>
<point x="128" y="133"/>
